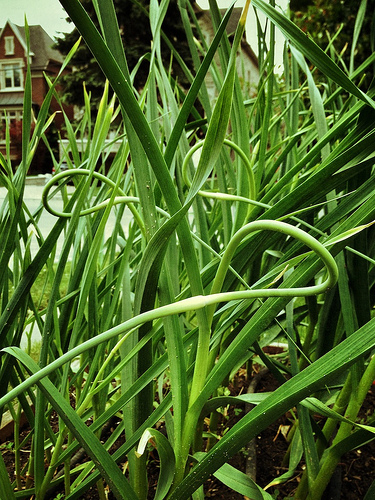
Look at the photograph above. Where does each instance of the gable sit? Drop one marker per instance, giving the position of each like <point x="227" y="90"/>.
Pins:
<point x="41" y="45"/>
<point x="10" y="37"/>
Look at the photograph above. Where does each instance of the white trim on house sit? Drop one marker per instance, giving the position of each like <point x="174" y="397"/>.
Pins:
<point x="9" y="65"/>
<point x="9" y="45"/>
<point x="11" y="113"/>
<point x="20" y="38"/>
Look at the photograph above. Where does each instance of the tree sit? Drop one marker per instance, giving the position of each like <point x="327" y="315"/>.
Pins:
<point x="136" y="36"/>
<point x="323" y="18"/>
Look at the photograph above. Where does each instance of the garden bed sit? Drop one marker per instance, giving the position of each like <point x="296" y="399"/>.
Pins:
<point x="351" y="481"/>
<point x="265" y="236"/>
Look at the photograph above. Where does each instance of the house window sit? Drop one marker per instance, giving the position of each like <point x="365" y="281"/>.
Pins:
<point x="13" y="119"/>
<point x="11" y="76"/>
<point x="9" y="45"/>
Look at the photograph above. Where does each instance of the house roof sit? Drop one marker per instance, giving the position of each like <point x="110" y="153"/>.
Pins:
<point x="233" y="20"/>
<point x="230" y="28"/>
<point x="40" y="45"/>
<point x="11" y="98"/>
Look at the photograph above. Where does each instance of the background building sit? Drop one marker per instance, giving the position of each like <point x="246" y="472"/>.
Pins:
<point x="44" y="60"/>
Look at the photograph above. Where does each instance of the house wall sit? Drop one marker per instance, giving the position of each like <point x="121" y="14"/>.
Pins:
<point x="41" y="162"/>
<point x="38" y="88"/>
<point x="52" y="71"/>
<point x="18" y="56"/>
<point x="19" y="51"/>
<point x="246" y="62"/>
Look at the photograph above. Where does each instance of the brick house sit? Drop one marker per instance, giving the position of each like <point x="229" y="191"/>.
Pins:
<point x="13" y="62"/>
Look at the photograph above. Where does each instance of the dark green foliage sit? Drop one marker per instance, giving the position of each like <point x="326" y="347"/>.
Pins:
<point x="136" y="36"/>
<point x="322" y="19"/>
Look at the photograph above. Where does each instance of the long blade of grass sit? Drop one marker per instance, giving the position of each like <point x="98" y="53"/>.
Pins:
<point x="167" y="459"/>
<point x="240" y="482"/>
<point x="6" y="490"/>
<point x="194" y="89"/>
<point x="316" y="102"/>
<point x="311" y="50"/>
<point x="88" y="440"/>
<point x="357" y="30"/>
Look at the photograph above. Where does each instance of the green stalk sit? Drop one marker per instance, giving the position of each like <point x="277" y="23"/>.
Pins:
<point x="67" y="476"/>
<point x="328" y="430"/>
<point x="48" y="476"/>
<point x="268" y="108"/>
<point x="196" y="302"/>
<point x="16" y="415"/>
<point x="6" y="490"/>
<point x="332" y="457"/>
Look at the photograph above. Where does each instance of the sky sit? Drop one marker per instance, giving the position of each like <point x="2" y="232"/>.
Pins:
<point x="48" y="13"/>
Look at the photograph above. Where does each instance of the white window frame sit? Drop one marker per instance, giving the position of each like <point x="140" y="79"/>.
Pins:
<point x="8" y="115"/>
<point x="9" y="45"/>
<point x="4" y="66"/>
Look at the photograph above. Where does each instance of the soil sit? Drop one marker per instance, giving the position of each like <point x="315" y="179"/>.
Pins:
<point x="354" y="474"/>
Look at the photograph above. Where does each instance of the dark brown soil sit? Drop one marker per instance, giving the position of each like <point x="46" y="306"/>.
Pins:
<point x="355" y="473"/>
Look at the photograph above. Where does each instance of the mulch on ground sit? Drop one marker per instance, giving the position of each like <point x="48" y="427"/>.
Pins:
<point x="354" y="475"/>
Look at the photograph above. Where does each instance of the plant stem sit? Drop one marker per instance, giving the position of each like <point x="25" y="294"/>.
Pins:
<point x="52" y="467"/>
<point x="333" y="455"/>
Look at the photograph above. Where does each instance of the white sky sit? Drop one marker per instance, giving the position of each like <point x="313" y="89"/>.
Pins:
<point x="48" y="13"/>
